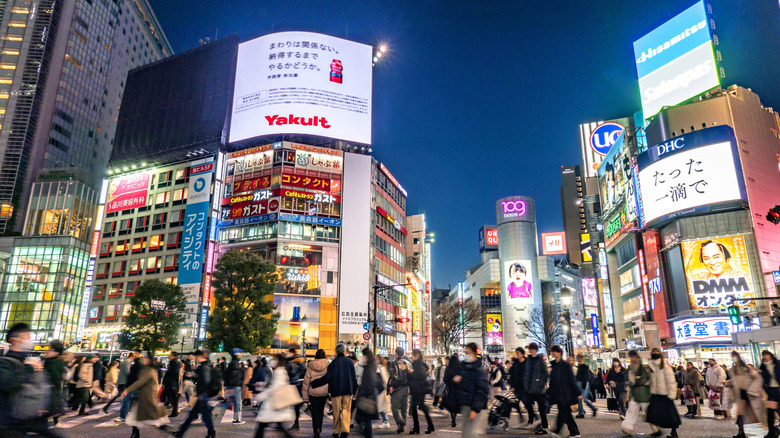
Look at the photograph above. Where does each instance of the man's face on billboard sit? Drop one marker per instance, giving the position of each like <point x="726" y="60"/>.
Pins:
<point x="713" y="259"/>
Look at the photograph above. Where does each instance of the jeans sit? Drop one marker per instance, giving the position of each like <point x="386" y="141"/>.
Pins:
<point x="235" y="398"/>
<point x="203" y="409"/>
<point x="585" y="398"/>
<point x="564" y="417"/>
<point x="541" y="405"/>
<point x="317" y="405"/>
<point x="399" y="401"/>
<point x="188" y="388"/>
<point x="418" y="401"/>
<point x="127" y="402"/>
<point x="620" y="396"/>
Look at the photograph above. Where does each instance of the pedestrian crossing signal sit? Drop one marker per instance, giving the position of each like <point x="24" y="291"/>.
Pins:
<point x="736" y="319"/>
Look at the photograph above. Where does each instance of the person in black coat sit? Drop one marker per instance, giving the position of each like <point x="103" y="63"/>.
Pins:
<point x="170" y="383"/>
<point x="563" y="392"/>
<point x="472" y="387"/>
<point x="616" y="379"/>
<point x="770" y="372"/>
<point x="370" y="387"/>
<point x="418" y="387"/>
<point x="202" y="406"/>
<point x="535" y="384"/>
<point x="342" y="385"/>
<point x="450" y="399"/>
<point x="516" y="376"/>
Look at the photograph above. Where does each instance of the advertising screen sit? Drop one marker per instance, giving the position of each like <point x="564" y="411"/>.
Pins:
<point x="128" y="192"/>
<point x="706" y="329"/>
<point x="615" y="176"/>
<point x="519" y="287"/>
<point x="590" y="295"/>
<point x="675" y="61"/>
<point x="554" y="243"/>
<point x="716" y="270"/>
<point x="494" y="329"/>
<point x="690" y="174"/>
<point x="302" y="83"/>
<point x="488" y="238"/>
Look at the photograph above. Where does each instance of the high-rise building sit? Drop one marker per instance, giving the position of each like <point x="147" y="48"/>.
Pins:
<point x="418" y="263"/>
<point x="573" y="209"/>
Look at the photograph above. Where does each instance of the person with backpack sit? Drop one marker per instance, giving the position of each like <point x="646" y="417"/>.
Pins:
<point x="25" y="392"/>
<point x="209" y="384"/>
<point x="399" y="388"/>
<point x="234" y="380"/>
<point x="419" y="385"/>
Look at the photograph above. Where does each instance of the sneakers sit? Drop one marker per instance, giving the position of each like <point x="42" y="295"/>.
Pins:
<point x="237" y="422"/>
<point x="575" y="436"/>
<point x="541" y="431"/>
<point x="579" y="416"/>
<point x="384" y="425"/>
<point x="119" y="420"/>
<point x="594" y="412"/>
<point x="626" y="433"/>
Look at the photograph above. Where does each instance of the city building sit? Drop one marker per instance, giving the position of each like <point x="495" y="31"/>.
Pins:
<point x="418" y="263"/>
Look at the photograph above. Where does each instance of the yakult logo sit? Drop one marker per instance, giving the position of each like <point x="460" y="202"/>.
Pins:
<point x="297" y="120"/>
<point x="514" y="208"/>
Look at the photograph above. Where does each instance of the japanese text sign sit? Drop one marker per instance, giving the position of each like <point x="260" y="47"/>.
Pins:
<point x="494" y="329"/>
<point x="128" y="192"/>
<point x="706" y="329"/>
<point x="195" y="230"/>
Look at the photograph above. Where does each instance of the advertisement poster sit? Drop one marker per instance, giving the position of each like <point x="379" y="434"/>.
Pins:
<point x="292" y="309"/>
<point x="298" y="280"/>
<point x="128" y="192"/>
<point x="494" y="329"/>
<point x="519" y="287"/>
<point x="554" y="243"/>
<point x="706" y="329"/>
<point x="291" y="335"/>
<point x="195" y="227"/>
<point x="302" y="83"/>
<point x="590" y="295"/>
<point x="615" y="179"/>
<point x="716" y="270"/>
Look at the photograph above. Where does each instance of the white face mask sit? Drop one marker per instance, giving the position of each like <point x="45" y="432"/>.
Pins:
<point x="273" y="363"/>
<point x="27" y="344"/>
<point x="363" y="360"/>
<point x="471" y="358"/>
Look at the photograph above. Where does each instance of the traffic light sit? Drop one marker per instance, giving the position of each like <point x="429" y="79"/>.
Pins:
<point x="773" y="215"/>
<point x="402" y="320"/>
<point x="775" y="314"/>
<point x="734" y="315"/>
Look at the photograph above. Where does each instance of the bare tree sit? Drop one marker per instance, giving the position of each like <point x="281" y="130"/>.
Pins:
<point x="448" y="327"/>
<point x="543" y="326"/>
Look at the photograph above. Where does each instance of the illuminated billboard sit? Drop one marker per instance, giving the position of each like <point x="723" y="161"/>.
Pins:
<point x="689" y="174"/>
<point x="129" y="191"/>
<point x="302" y="83"/>
<point x="615" y="176"/>
<point x="707" y="329"/>
<point x="717" y="270"/>
<point x="590" y="295"/>
<point x="554" y="243"/>
<point x="495" y="331"/>
<point x="488" y="238"/>
<point x="597" y="138"/>
<point x="675" y="62"/>
<point x="519" y="279"/>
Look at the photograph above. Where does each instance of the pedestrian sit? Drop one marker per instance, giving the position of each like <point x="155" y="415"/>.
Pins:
<point x="450" y="394"/>
<point x="148" y="410"/>
<point x="112" y="376"/>
<point x="342" y="385"/>
<point x="639" y="392"/>
<point x="692" y="380"/>
<point x="188" y="378"/>
<point x="55" y="370"/>
<point x="583" y="382"/>
<point x="206" y="388"/>
<point x="73" y="379"/>
<point x="97" y="377"/>
<point x="20" y="373"/>
<point x="295" y="369"/>
<point x="600" y="379"/>
<point x="132" y="376"/>
<point x="535" y="382"/>
<point x="418" y="387"/>
<point x="246" y="393"/>
<point x="516" y="377"/>
<point x="383" y="399"/>
<point x="316" y="397"/>
<point x="370" y="387"/>
<point x="438" y="382"/>
<point x="261" y="376"/>
<point x="277" y="406"/>
<point x="616" y="379"/>
<point x="564" y="392"/>
<point x="121" y="381"/>
<point x="715" y="379"/>
<point x="84" y="383"/>
<point x="661" y="412"/>
<point x="472" y="390"/>
<point x="234" y="382"/>
<point x="770" y="373"/>
<point x="497" y="378"/>
<point x="399" y="388"/>
<point x="171" y="383"/>
<point x="745" y="385"/>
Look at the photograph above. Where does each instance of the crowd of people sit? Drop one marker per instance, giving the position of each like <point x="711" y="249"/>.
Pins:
<point x="357" y="392"/>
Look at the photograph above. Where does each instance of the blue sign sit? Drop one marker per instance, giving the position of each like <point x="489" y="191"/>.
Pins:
<point x="196" y="217"/>
<point x="309" y="219"/>
<point x="248" y="220"/>
<point x="388" y="327"/>
<point x="776" y="276"/>
<point x="366" y="326"/>
<point x="594" y="322"/>
<point x="204" y="315"/>
<point x="604" y="137"/>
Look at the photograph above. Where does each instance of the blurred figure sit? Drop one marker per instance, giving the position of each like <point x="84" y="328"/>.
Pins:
<point x="583" y="381"/>
<point x="55" y="369"/>
<point x="473" y="389"/>
<point x="234" y="379"/>
<point x="268" y="412"/>
<point x="661" y="412"/>
<point x="97" y="377"/>
<point x="295" y="369"/>
<point x="450" y="396"/>
<point x="535" y="383"/>
<point x="692" y="381"/>
<point x="246" y="394"/>
<point x="112" y="376"/>
<point x="121" y="382"/>
<point x="770" y="373"/>
<point x="342" y="385"/>
<point x="383" y="400"/>
<point x="616" y="379"/>
<point x="563" y="392"/>
<point x="172" y="383"/>
<point x="368" y="391"/>
<point x="148" y="410"/>
<point x="639" y="392"/>
<point x="399" y="388"/>
<point x="84" y="383"/>
<point x="715" y="378"/>
<point x="418" y="388"/>
<point x="745" y="389"/>
<point x="316" y="397"/>
<point x="438" y="381"/>
<point x="204" y="390"/>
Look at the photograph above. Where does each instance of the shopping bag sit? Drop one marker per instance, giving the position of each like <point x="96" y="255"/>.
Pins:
<point x="714" y="397"/>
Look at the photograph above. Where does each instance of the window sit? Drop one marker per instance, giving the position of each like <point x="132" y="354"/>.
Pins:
<point x="111" y="312"/>
<point x="105" y="249"/>
<point x="177" y="218"/>
<point x="174" y="239"/>
<point x="180" y="174"/>
<point x="119" y="268"/>
<point x="115" y="290"/>
<point x="99" y="292"/>
<point x="179" y="195"/>
<point x="102" y="270"/>
<point x="122" y="246"/>
<point x="95" y="313"/>
<point x="153" y="264"/>
<point x="156" y="242"/>
<point x="171" y="262"/>
<point x="124" y="226"/>
<point x="159" y="220"/>
<point x="142" y="224"/>
<point x="164" y="179"/>
<point x="162" y="198"/>
<point x="135" y="267"/>
<point x="131" y="287"/>
<point x="109" y="228"/>
<point x="139" y="244"/>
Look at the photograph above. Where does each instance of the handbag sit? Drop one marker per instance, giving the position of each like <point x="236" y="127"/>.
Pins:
<point x="367" y="405"/>
<point x="284" y="396"/>
<point x="714" y="397"/>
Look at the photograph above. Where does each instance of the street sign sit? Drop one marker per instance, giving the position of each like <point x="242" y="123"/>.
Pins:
<point x="366" y="326"/>
<point x="776" y="276"/>
<point x="158" y="305"/>
<point x="366" y="336"/>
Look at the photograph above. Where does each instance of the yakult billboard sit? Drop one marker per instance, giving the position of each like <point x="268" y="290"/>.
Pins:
<point x="302" y="83"/>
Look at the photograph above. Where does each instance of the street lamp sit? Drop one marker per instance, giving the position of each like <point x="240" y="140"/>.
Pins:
<point x="183" y="338"/>
<point x="304" y="325"/>
<point x="566" y="299"/>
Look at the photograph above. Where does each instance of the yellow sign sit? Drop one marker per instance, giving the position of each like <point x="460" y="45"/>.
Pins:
<point x="718" y="270"/>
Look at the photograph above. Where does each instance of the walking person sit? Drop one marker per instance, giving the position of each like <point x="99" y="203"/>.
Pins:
<point x="563" y="392"/>
<point x="535" y="382"/>
<point x="148" y="411"/>
<point x="616" y="380"/>
<point x="770" y="373"/>
<point x="691" y="381"/>
<point x="418" y="388"/>
<point x="639" y="392"/>
<point x="600" y="379"/>
<point x="84" y="384"/>
<point x="316" y="397"/>
<point x="583" y="382"/>
<point x="295" y="370"/>
<point x="271" y="410"/>
<point x="234" y="382"/>
<point x="516" y="377"/>
<point x="342" y="385"/>
<point x="438" y="382"/>
<point x="370" y="387"/>
<point x="121" y="381"/>
<point x="661" y="412"/>
<point x="97" y="377"/>
<point x="383" y="399"/>
<point x="246" y="393"/>
<point x="55" y="370"/>
<point x="112" y="376"/>
<point x="497" y="378"/>
<point x="745" y="389"/>
<point x="399" y="388"/>
<point x="206" y="388"/>
<point x="450" y="394"/>
<point x="472" y="389"/>
<point x="715" y="379"/>
<point x="171" y="383"/>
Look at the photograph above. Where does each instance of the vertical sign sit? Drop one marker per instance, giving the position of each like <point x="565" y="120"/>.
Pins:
<point x="195" y="229"/>
<point x="594" y="322"/>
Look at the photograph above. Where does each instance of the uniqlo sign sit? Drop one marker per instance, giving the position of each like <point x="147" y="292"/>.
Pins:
<point x="554" y="243"/>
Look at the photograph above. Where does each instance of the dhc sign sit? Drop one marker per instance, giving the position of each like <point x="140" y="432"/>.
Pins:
<point x="604" y="137"/>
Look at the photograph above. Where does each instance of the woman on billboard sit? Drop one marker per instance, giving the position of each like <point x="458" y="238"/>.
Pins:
<point x="518" y="287"/>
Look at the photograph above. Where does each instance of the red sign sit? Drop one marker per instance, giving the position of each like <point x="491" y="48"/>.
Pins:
<point x="200" y="168"/>
<point x="306" y="182"/>
<point x="491" y="237"/>
<point x="554" y="243"/>
<point x="248" y="210"/>
<point x="252" y="184"/>
<point x="128" y="192"/>
<point x="366" y="336"/>
<point x="94" y="249"/>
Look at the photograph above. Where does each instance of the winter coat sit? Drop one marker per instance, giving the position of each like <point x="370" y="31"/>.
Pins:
<point x="112" y="375"/>
<point x="234" y="375"/>
<point x="295" y="370"/>
<point x="316" y="369"/>
<point x="743" y="379"/>
<point x="517" y="376"/>
<point x="267" y="413"/>
<point x="148" y="407"/>
<point x="55" y="369"/>
<point x="370" y="387"/>
<point x="204" y="377"/>
<point x="124" y="371"/>
<point x="84" y="377"/>
<point x="473" y="390"/>
<point x="340" y="378"/>
<point x="383" y="400"/>
<point x="12" y="376"/>
<point x="135" y="369"/>
<point x="536" y="374"/>
<point x="767" y="377"/>
<point x="418" y="377"/>
<point x="693" y="378"/>
<point x="261" y="375"/>
<point x="497" y="377"/>
<point x="639" y="384"/>
<point x="245" y="392"/>
<point x="662" y="380"/>
<point x="583" y="375"/>
<point x="714" y="376"/>
<point x="97" y="370"/>
<point x="438" y="377"/>
<point x="171" y="379"/>
<point x="619" y="377"/>
<point x="563" y="391"/>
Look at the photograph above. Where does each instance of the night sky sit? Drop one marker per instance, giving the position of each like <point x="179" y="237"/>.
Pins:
<point x="480" y="100"/>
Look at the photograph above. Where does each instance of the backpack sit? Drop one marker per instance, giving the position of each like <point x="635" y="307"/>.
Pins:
<point x="215" y="384"/>
<point x="402" y="371"/>
<point x="33" y="398"/>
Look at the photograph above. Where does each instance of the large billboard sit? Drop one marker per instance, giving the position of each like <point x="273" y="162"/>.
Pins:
<point x="676" y="62"/>
<point x="615" y="176"/>
<point x="707" y="329"/>
<point x="590" y="295"/>
<point x="195" y="228"/>
<point x="717" y="270"/>
<point x="519" y="279"/>
<point x="302" y="83"/>
<point x="597" y="138"/>
<point x="129" y="191"/>
<point x="494" y="332"/>
<point x="488" y="238"/>
<point x="689" y="174"/>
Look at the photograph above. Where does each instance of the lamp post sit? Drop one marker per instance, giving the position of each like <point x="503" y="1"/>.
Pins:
<point x="183" y="338"/>
<point x="566" y="299"/>
<point x="304" y="325"/>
